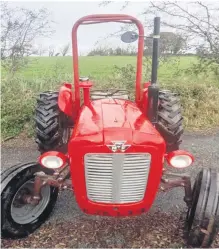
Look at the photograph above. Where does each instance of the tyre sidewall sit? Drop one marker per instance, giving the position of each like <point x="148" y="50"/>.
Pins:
<point x="195" y="236"/>
<point x="9" y="227"/>
<point x="205" y="211"/>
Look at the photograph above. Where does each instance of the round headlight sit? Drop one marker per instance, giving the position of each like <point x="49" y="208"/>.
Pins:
<point x="179" y="159"/>
<point x="52" y="160"/>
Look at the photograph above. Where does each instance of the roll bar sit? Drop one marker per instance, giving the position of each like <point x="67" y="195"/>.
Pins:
<point x="101" y="18"/>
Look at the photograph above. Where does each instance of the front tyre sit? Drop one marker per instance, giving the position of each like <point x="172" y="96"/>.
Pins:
<point x="19" y="219"/>
<point x="202" y="222"/>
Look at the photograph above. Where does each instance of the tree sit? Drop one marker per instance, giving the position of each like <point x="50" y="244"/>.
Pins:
<point x="19" y="29"/>
<point x="51" y="51"/>
<point x="65" y="49"/>
<point x="118" y="51"/>
<point x="198" y="23"/>
<point x="41" y="50"/>
<point x="103" y="51"/>
<point x="170" y="43"/>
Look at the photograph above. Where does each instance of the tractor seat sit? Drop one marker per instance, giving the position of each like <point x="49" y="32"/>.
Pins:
<point x="83" y="79"/>
<point x="109" y="93"/>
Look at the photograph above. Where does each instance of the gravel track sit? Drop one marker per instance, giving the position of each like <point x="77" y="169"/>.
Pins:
<point x="161" y="227"/>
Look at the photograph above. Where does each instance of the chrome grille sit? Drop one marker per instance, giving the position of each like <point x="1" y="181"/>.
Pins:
<point x="116" y="178"/>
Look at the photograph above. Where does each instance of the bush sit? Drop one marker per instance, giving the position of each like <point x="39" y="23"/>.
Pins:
<point x="200" y="100"/>
<point x="18" y="100"/>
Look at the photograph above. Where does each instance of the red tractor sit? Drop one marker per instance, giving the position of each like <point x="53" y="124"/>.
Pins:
<point x="110" y="150"/>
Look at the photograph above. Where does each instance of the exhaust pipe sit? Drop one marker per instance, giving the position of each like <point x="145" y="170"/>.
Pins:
<point x="153" y="89"/>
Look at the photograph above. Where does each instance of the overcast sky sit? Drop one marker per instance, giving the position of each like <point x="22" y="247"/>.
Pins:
<point x="64" y="14"/>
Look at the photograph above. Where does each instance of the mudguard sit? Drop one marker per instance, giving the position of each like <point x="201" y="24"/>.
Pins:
<point x="66" y="100"/>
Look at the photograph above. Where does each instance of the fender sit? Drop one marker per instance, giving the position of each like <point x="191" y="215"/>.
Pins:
<point x="66" y="99"/>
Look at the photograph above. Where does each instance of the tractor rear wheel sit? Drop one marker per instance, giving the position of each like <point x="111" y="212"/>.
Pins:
<point x="170" y="119"/>
<point x="52" y="125"/>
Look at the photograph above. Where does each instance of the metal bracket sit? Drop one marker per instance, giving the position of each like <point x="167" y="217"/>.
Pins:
<point x="182" y="181"/>
<point x="59" y="179"/>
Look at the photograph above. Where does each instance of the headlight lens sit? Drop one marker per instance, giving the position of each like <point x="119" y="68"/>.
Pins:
<point x="52" y="162"/>
<point x="179" y="159"/>
<point x="53" y="159"/>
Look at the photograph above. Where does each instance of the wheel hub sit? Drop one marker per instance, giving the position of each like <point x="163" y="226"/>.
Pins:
<point x="19" y="199"/>
<point x="23" y="212"/>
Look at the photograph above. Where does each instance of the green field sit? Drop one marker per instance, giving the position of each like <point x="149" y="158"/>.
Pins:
<point x="96" y="67"/>
<point x="199" y="93"/>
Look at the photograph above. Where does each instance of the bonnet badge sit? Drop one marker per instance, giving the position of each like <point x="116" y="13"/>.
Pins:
<point x="117" y="146"/>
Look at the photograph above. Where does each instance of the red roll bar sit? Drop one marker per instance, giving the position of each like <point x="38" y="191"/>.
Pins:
<point x="100" y="18"/>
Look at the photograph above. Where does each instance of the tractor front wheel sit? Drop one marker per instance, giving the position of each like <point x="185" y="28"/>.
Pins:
<point x="202" y="222"/>
<point x="52" y="125"/>
<point x="18" y="217"/>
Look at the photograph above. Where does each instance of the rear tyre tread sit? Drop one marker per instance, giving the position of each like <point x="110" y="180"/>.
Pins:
<point x="170" y="120"/>
<point x="50" y="123"/>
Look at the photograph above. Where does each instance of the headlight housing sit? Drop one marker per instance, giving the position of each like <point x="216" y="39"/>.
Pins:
<point x="179" y="159"/>
<point x="52" y="160"/>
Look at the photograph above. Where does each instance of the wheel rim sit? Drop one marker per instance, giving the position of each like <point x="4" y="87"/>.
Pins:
<point x="23" y="213"/>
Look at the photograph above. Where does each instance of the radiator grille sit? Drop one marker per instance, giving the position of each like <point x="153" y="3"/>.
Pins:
<point x="116" y="178"/>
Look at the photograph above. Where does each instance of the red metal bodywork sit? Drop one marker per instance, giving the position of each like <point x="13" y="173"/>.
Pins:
<point x="98" y="123"/>
<point x="104" y="121"/>
<point x="144" y="99"/>
<point x="66" y="100"/>
<point x="86" y="89"/>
